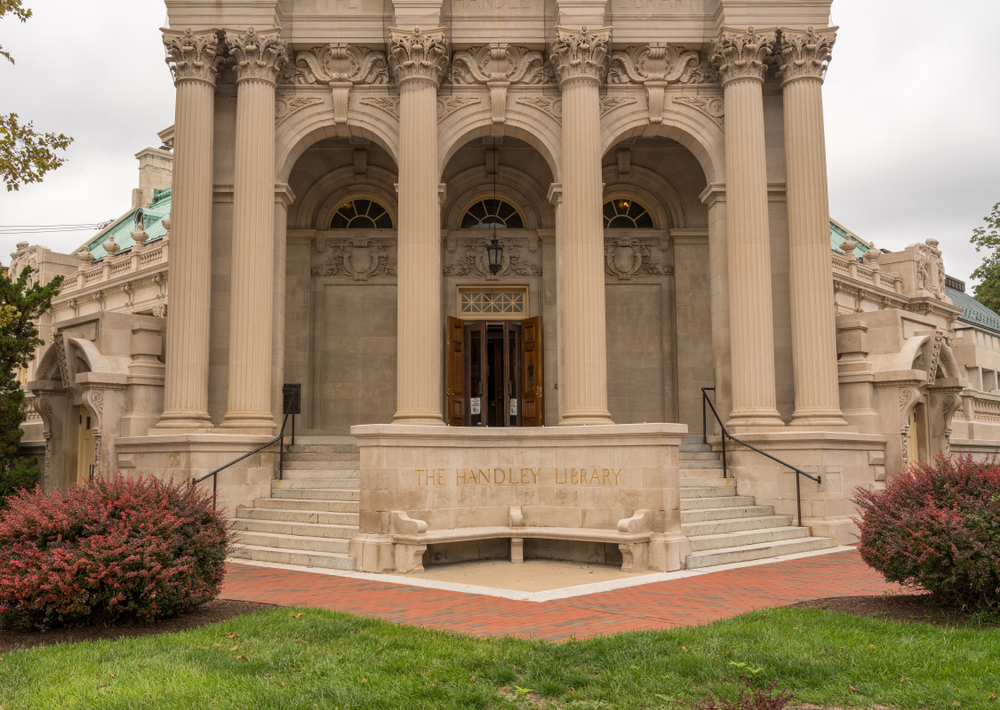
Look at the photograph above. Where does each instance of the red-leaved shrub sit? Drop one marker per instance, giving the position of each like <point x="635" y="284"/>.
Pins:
<point x="116" y="550"/>
<point x="937" y="526"/>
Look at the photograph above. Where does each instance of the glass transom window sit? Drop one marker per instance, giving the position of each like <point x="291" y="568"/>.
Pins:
<point x="506" y="303"/>
<point x="487" y="214"/>
<point x="627" y="214"/>
<point x="361" y="214"/>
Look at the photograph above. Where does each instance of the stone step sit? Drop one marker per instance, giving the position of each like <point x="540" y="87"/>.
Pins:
<point x="347" y="521"/>
<point x="697" y="464"/>
<point x="746" y="553"/>
<point x="699" y="455"/>
<point x="290" y="474"/>
<point x="716" y="527"/>
<point x="696" y="447"/>
<point x="688" y="493"/>
<point x="298" y="449"/>
<point x="312" y="456"/>
<point x="710" y="481"/>
<point x="691" y="439"/>
<point x="293" y="542"/>
<point x="301" y="558"/>
<point x="318" y="439"/>
<point x="309" y="484"/>
<point x="702" y="515"/>
<point x="700" y="543"/>
<point x="329" y="506"/>
<point x="728" y="501"/>
<point x="702" y="473"/>
<point x="338" y="494"/>
<point x="293" y="529"/>
<point x="323" y="465"/>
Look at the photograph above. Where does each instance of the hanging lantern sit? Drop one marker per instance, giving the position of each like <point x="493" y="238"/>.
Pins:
<point x="494" y="253"/>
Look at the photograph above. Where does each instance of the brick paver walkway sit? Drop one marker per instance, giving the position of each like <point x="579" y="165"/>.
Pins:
<point x="659" y="605"/>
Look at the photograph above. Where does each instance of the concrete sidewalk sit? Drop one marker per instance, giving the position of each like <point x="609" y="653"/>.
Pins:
<point x="684" y="601"/>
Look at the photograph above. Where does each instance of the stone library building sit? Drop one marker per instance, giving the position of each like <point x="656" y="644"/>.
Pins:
<point x="509" y="275"/>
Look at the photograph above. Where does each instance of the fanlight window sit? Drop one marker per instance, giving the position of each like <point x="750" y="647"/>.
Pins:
<point x="487" y="214"/>
<point x="361" y="214"/>
<point x="626" y="214"/>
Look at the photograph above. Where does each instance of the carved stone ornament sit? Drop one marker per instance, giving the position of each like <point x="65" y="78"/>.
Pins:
<point x="552" y="105"/>
<point x="610" y="103"/>
<point x="935" y="357"/>
<point x="742" y="55"/>
<point x="626" y="257"/>
<point x="192" y="56"/>
<point x="417" y="54"/>
<point x="60" y="344"/>
<point x="160" y="311"/>
<point x="582" y="54"/>
<point x="712" y="106"/>
<point x="500" y="61"/>
<point x="47" y="469"/>
<point x="389" y="104"/>
<point x="360" y="258"/>
<point x="653" y="62"/>
<point x="94" y="398"/>
<point x="22" y="257"/>
<point x="341" y="63"/>
<point x="256" y="56"/>
<point x="285" y="106"/>
<point x="805" y="55"/>
<point x="930" y="270"/>
<point x="447" y="105"/>
<point x="475" y="262"/>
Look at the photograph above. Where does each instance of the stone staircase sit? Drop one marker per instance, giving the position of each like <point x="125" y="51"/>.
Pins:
<point x="725" y="527"/>
<point x="312" y="512"/>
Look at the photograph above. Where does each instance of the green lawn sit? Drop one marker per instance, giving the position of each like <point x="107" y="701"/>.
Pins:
<point x="324" y="659"/>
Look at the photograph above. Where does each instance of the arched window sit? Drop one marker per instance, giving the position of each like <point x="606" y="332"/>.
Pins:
<point x="627" y="214"/>
<point x="487" y="214"/>
<point x="361" y="214"/>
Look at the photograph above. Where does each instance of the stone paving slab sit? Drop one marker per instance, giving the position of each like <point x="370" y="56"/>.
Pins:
<point x="659" y="605"/>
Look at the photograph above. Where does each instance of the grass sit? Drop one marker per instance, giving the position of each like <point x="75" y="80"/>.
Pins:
<point x="312" y="658"/>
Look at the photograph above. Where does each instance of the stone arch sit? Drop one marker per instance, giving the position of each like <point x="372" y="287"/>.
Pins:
<point x="651" y="189"/>
<point x="536" y="128"/>
<point x="516" y="186"/>
<point x="310" y="125"/>
<point x="313" y="210"/>
<point x="691" y="128"/>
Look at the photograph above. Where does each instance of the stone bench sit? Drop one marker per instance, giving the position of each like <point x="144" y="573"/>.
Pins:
<point x="411" y="537"/>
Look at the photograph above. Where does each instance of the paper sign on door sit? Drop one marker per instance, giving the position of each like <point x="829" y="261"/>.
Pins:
<point x="513" y="407"/>
<point x="476" y="405"/>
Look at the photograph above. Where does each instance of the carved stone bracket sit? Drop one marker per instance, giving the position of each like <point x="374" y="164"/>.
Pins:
<point x="742" y="55"/>
<point x="712" y="106"/>
<point x="341" y="66"/>
<point x="417" y="54"/>
<point x="582" y="54"/>
<point x="498" y="65"/>
<point x="192" y="56"/>
<point x="626" y="257"/>
<point x="655" y="65"/>
<point x="474" y="262"/>
<point x="805" y="55"/>
<point x="361" y="259"/>
<point x="259" y="57"/>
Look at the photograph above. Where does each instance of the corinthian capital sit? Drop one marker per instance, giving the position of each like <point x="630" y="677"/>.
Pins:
<point x="341" y="63"/>
<point x="257" y="56"/>
<point x="805" y="55"/>
<point x="192" y="55"/>
<point x="418" y="54"/>
<point x="499" y="62"/>
<point x="582" y="54"/>
<point x="742" y="55"/>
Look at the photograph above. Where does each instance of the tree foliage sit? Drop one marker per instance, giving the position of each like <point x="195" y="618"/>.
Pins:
<point x="988" y="237"/>
<point x="20" y="307"/>
<point x="25" y="155"/>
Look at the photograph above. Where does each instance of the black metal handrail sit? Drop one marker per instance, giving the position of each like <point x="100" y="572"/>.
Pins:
<point x="726" y="435"/>
<point x="290" y="409"/>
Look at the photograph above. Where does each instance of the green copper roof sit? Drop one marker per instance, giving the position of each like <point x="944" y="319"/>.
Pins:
<point x="122" y="229"/>
<point x="974" y="312"/>
<point x="838" y="235"/>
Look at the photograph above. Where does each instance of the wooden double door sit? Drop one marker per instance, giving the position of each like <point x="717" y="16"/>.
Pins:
<point x="494" y="373"/>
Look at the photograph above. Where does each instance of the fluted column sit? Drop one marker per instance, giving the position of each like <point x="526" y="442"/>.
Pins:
<point x="192" y="57"/>
<point x="580" y="60"/>
<point x="740" y="57"/>
<point x="418" y="60"/>
<point x="803" y="58"/>
<point x="257" y="60"/>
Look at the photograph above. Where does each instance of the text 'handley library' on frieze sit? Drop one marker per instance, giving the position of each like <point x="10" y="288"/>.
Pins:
<point x="504" y="261"/>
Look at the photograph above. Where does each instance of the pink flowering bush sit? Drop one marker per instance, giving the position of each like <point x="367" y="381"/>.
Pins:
<point x="117" y="550"/>
<point x="937" y="527"/>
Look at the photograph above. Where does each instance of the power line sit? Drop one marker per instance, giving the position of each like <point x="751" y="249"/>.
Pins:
<point x="48" y="228"/>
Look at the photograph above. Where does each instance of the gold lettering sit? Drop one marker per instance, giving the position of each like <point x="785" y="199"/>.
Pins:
<point x="616" y="475"/>
<point x="574" y="476"/>
<point x="418" y="472"/>
<point x="562" y="482"/>
<point x="428" y="477"/>
<point x="534" y="475"/>
<point x="440" y="476"/>
<point x="485" y="474"/>
<point x="459" y="477"/>
<point x="606" y="473"/>
<point x="498" y="476"/>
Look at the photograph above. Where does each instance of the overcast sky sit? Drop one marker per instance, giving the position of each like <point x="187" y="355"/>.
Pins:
<point x="912" y="102"/>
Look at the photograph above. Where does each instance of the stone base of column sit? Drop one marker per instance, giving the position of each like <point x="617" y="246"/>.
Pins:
<point x="754" y="421"/>
<point x="182" y="423"/>
<point x="818" y="420"/>
<point x="585" y="418"/>
<point x="419" y="418"/>
<point x="257" y="423"/>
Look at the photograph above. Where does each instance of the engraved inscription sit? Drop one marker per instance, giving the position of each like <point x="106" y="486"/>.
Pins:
<point x="645" y="7"/>
<point x="558" y="476"/>
<point x="491" y="7"/>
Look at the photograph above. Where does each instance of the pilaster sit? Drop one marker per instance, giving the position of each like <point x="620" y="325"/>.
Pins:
<point x="740" y="58"/>
<point x="580" y="61"/>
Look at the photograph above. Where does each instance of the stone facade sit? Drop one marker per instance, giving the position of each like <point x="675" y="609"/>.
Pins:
<point x="655" y="176"/>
